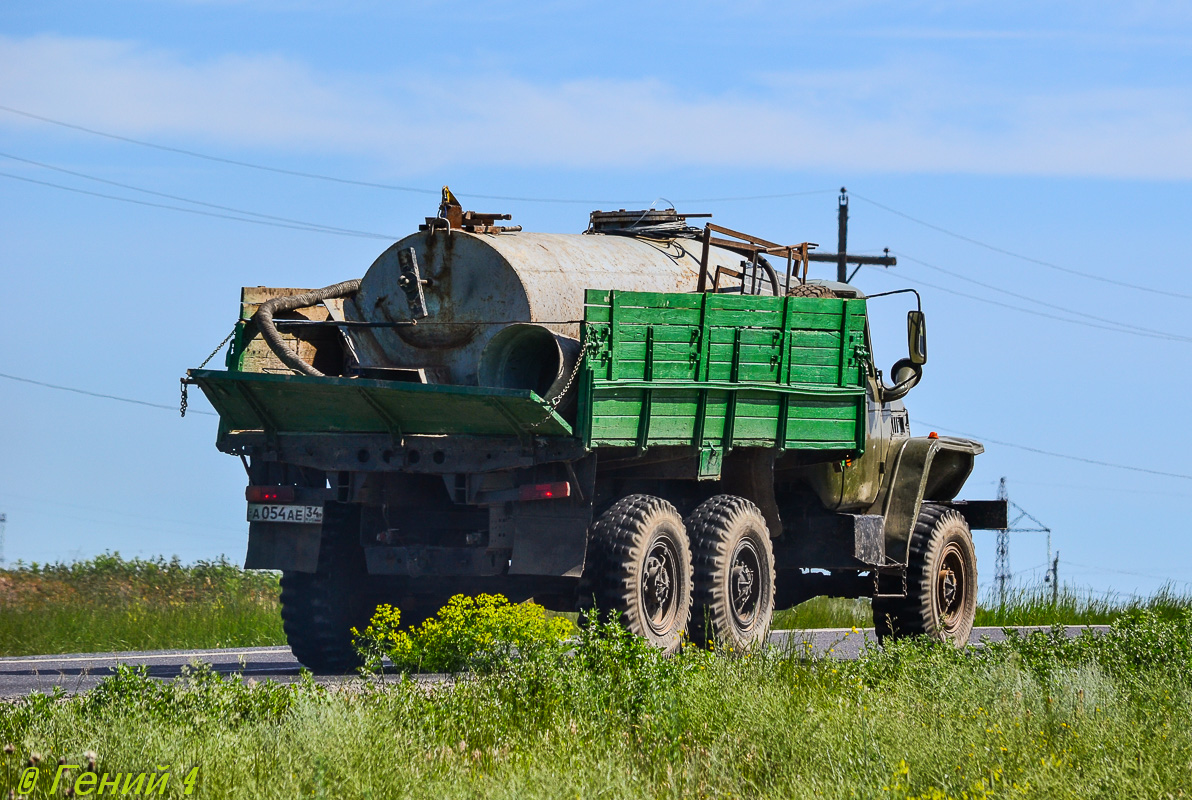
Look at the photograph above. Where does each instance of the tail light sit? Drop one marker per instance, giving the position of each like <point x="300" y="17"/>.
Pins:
<point x="270" y="494"/>
<point x="544" y="491"/>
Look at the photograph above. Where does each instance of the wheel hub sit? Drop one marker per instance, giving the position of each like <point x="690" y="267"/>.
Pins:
<point x="658" y="586"/>
<point x="744" y="588"/>
<point x="950" y="588"/>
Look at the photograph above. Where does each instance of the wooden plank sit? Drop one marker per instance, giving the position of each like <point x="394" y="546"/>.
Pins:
<point x="663" y="350"/>
<point x="657" y="316"/>
<point x="677" y="334"/>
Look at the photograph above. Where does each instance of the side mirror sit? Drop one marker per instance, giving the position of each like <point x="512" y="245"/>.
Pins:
<point x="916" y="336"/>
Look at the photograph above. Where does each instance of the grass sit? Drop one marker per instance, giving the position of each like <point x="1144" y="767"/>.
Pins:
<point x="1099" y="717"/>
<point x="109" y="603"/>
<point x="1024" y="606"/>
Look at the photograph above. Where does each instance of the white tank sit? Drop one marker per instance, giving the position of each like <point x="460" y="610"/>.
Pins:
<point x="476" y="285"/>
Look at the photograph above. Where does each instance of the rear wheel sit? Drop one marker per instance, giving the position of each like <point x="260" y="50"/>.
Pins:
<point x="941" y="582"/>
<point x="642" y="565"/>
<point x="734" y="573"/>
<point x="319" y="609"/>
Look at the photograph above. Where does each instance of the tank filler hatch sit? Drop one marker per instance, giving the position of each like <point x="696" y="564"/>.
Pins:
<point x="662" y="223"/>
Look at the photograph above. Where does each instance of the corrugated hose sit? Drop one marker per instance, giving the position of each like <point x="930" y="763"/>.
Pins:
<point x="264" y="320"/>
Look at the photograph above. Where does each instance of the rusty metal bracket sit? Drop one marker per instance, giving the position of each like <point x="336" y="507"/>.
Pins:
<point x="411" y="282"/>
<point x="752" y="247"/>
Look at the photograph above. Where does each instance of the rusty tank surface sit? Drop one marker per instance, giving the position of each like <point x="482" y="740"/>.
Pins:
<point x="475" y="284"/>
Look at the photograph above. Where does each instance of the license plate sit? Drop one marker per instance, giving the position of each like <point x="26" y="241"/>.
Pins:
<point x="269" y="512"/>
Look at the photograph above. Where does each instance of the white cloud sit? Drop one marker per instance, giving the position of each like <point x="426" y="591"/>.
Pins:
<point x="908" y="117"/>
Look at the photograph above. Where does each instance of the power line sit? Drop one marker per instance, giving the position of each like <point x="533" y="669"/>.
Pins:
<point x="313" y="225"/>
<point x="217" y="159"/>
<point x="297" y="227"/>
<point x="1128" y="572"/>
<point x="1030" y="299"/>
<point x="1116" y="327"/>
<point x="372" y="184"/>
<point x="1030" y="259"/>
<point x="98" y="394"/>
<point x="1054" y="454"/>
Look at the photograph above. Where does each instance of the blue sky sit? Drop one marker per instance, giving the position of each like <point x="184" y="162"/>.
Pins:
<point x="1055" y="131"/>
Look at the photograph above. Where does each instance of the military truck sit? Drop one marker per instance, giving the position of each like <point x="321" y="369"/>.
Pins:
<point x="668" y="421"/>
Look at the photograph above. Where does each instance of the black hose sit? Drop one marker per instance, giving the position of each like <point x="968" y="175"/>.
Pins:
<point x="264" y="320"/>
<point x="771" y="274"/>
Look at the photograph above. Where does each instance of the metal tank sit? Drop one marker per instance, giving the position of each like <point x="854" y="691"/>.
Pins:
<point x="455" y="295"/>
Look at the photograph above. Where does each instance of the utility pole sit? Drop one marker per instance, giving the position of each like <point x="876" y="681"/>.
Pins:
<point x="3" y="522"/>
<point x="842" y="258"/>
<point x="1053" y="575"/>
<point x="842" y="237"/>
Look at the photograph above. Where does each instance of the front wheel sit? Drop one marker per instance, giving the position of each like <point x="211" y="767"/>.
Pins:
<point x="941" y="582"/>
<point x="642" y="563"/>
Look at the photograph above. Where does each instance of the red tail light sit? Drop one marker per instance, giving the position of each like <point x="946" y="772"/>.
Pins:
<point x="270" y="494"/>
<point x="544" y="491"/>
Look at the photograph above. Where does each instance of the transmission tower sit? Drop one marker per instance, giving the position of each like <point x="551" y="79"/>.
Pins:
<point x="1004" y="575"/>
<point x="1003" y="550"/>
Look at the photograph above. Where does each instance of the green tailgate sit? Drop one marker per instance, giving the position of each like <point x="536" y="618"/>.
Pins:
<point x="717" y="371"/>
<point x="254" y="401"/>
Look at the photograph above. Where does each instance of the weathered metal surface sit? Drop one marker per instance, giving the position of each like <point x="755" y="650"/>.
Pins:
<point x="917" y="472"/>
<point x="477" y="284"/>
<point x="378" y="452"/>
<point x="983" y="514"/>
<point x="301" y="404"/>
<point x="835" y="541"/>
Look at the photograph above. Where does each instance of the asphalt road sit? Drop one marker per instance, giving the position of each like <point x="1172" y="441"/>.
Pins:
<point x="78" y="672"/>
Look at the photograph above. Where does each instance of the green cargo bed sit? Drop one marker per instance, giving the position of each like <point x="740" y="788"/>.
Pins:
<point x="717" y="371"/>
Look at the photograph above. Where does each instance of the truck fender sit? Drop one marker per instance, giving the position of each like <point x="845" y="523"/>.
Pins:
<point x="934" y="469"/>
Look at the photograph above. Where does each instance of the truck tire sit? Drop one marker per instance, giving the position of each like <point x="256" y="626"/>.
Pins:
<point x="941" y="582"/>
<point x="319" y="609"/>
<point x="810" y="290"/>
<point x="734" y="573"/>
<point x="642" y="568"/>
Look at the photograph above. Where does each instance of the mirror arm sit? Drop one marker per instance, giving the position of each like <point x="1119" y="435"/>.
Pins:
<point x="915" y="292"/>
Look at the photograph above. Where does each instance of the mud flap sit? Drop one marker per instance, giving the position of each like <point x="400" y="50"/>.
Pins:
<point x="284" y="546"/>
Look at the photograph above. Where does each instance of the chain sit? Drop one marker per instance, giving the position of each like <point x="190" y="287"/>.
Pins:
<point x="554" y="402"/>
<point x="220" y="346"/>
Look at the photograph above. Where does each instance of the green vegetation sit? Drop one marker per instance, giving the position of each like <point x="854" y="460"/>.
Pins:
<point x="109" y="603"/>
<point x="467" y="633"/>
<point x="1039" y="716"/>
<point x="1024" y="606"/>
<point x="1035" y="606"/>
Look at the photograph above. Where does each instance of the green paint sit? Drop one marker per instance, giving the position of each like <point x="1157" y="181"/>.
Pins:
<point x="708" y="371"/>
<point x="719" y="371"/>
